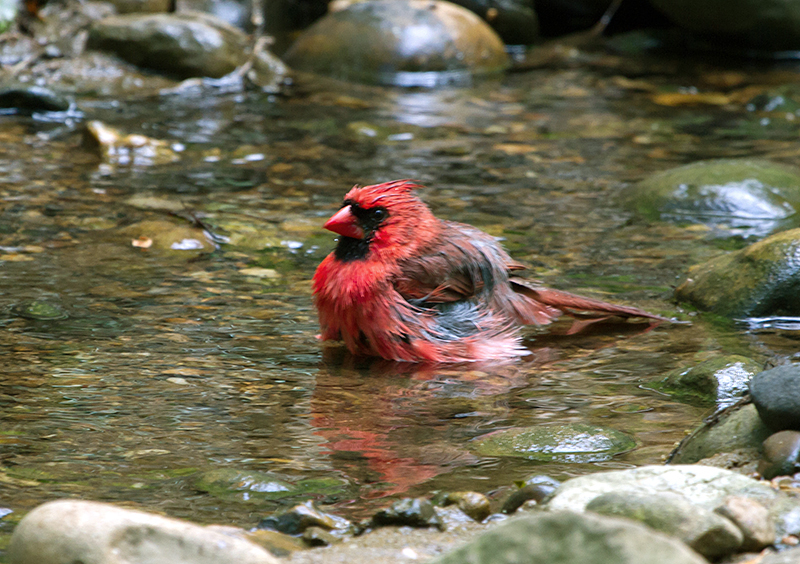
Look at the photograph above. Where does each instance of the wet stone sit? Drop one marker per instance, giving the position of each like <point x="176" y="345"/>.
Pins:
<point x="225" y="482"/>
<point x="536" y="488"/>
<point x="515" y="21"/>
<point x="411" y="512"/>
<point x="739" y="428"/>
<point x="473" y="504"/>
<point x="128" y="150"/>
<point x="576" y="442"/>
<point x="781" y="455"/>
<point x="183" y="45"/>
<point x="721" y="380"/>
<point x="27" y="99"/>
<point x="39" y="310"/>
<point x="776" y="395"/>
<point x="750" y="198"/>
<point x="296" y="520"/>
<point x="319" y="536"/>
<point x="400" y="42"/>
<point x="278" y="544"/>
<point x="708" y="533"/>
<point x="761" y="280"/>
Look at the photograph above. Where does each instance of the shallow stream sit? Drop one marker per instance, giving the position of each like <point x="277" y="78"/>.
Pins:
<point x="168" y="365"/>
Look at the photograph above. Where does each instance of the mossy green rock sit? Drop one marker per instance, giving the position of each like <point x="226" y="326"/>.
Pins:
<point x="722" y="380"/>
<point x="39" y="310"/>
<point x="182" y="45"/>
<point x="738" y="428"/>
<point x="760" y="280"/>
<point x="402" y="42"/>
<point x="564" y="537"/>
<point x="255" y="487"/>
<point x="752" y="197"/>
<point x="575" y="442"/>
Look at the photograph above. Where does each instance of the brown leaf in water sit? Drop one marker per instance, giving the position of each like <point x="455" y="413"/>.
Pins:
<point x="674" y="99"/>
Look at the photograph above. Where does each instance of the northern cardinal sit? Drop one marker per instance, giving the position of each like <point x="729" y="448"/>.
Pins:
<point x="405" y="285"/>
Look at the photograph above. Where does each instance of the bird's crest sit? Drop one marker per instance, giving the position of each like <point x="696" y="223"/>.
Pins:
<point x="396" y="190"/>
<point x="404" y="185"/>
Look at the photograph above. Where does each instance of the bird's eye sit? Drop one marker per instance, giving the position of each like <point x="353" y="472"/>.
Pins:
<point x="378" y="214"/>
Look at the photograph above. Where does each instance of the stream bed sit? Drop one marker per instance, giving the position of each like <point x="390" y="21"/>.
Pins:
<point x="147" y="365"/>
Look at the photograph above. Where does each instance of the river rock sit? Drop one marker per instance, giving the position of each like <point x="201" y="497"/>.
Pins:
<point x="708" y="533"/>
<point x="515" y="21"/>
<point x="761" y="280"/>
<point x="401" y="42"/>
<point x="747" y="197"/>
<point x="535" y="488"/>
<point x="411" y="512"/>
<point x="721" y="380"/>
<point x="575" y="442"/>
<point x="776" y="392"/>
<point x="182" y="45"/>
<point x="704" y="487"/>
<point x="744" y="24"/>
<point x="564" y="537"/>
<point x="303" y="516"/>
<point x="116" y="147"/>
<point x="98" y="533"/>
<point x="736" y="429"/>
<point x="752" y="519"/>
<point x="781" y="455"/>
<point x="29" y="98"/>
<point x="474" y="504"/>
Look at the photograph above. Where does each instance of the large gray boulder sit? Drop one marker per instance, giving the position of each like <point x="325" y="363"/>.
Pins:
<point x="73" y="531"/>
<point x="182" y="45"/>
<point x="564" y="537"/>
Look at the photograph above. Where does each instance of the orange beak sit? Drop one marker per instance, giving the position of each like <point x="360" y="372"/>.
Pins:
<point x="345" y="224"/>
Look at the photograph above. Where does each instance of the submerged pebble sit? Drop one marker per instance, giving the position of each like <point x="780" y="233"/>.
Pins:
<point x="39" y="310"/>
<point x="575" y="442"/>
<point x="720" y="380"/>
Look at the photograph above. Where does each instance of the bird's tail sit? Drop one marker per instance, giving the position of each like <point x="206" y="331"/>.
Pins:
<point x="555" y="302"/>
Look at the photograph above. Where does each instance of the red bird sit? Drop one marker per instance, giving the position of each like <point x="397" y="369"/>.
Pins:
<point x="405" y="285"/>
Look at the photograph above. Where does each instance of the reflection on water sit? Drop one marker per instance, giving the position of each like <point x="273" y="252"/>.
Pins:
<point x="174" y="363"/>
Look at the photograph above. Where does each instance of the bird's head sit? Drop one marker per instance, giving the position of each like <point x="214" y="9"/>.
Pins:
<point x="380" y="218"/>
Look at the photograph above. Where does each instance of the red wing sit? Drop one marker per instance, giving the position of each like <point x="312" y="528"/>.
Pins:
<point x="455" y="267"/>
<point x="435" y="279"/>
